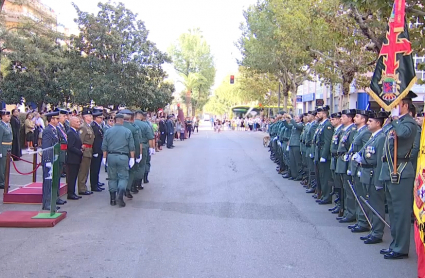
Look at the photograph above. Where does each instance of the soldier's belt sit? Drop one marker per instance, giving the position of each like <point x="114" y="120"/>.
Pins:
<point x="87" y="146"/>
<point x="285" y="140"/>
<point x="399" y="159"/>
<point x="334" y="154"/>
<point x="120" y="153"/>
<point x="64" y="147"/>
<point x="6" y="143"/>
<point x="367" y="166"/>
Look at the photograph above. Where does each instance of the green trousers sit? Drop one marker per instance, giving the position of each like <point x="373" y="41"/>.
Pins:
<point x="360" y="192"/>
<point x="142" y="164"/>
<point x="325" y="176"/>
<point x="148" y="163"/>
<point x="118" y="172"/>
<point x="349" y="201"/>
<point x="295" y="161"/>
<point x="377" y="201"/>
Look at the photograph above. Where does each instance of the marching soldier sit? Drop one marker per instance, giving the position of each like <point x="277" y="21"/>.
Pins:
<point x="370" y="167"/>
<point x="49" y="139"/>
<point x="399" y="178"/>
<point x="6" y="138"/>
<point x="87" y="138"/>
<point x="148" y="142"/>
<point x="359" y="139"/>
<point x="337" y="182"/>
<point x="322" y="155"/>
<point x="118" y="148"/>
<point x="342" y="163"/>
<point x="96" y="159"/>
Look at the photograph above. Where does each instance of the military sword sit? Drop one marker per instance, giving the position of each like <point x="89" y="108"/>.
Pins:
<point x="374" y="211"/>
<point x="358" y="201"/>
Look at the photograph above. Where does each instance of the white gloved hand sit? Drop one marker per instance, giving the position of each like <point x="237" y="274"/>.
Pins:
<point x="287" y="148"/>
<point x="349" y="172"/>
<point x="395" y="112"/>
<point x="311" y="155"/>
<point x="322" y="159"/>
<point x="357" y="158"/>
<point x="95" y="155"/>
<point x="131" y="162"/>
<point x="151" y="151"/>
<point x="49" y="165"/>
<point x="104" y="161"/>
<point x="1" y="155"/>
<point x="139" y="159"/>
<point x="346" y="157"/>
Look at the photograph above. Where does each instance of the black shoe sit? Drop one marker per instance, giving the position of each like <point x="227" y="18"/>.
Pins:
<point x="100" y="184"/>
<point x="346" y="220"/>
<point x="311" y="190"/>
<point x="79" y="197"/>
<point x="314" y="195"/>
<point x="318" y="200"/>
<point x="139" y="184"/>
<point x="298" y="179"/>
<point x="120" y="201"/>
<point x="336" y="211"/>
<point x="85" y="193"/>
<point x="48" y="208"/>
<point x="325" y="203"/>
<point x="134" y="189"/>
<point x="290" y="178"/>
<point x="365" y="237"/>
<point x="385" y="251"/>
<point x="97" y="189"/>
<point x="394" y="256"/>
<point x="334" y="208"/>
<point x="73" y="197"/>
<point x="359" y="229"/>
<point x="113" y="198"/>
<point x="352" y="226"/>
<point x="145" y="178"/>
<point x="373" y="240"/>
<point x="340" y="217"/>
<point x="128" y="194"/>
<point x="1" y="186"/>
<point x="285" y="176"/>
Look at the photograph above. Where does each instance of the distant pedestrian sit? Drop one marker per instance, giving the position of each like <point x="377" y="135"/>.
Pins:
<point x="16" y="129"/>
<point x="182" y="130"/>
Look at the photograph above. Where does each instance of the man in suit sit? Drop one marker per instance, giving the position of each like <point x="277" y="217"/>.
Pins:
<point x="49" y="139"/>
<point x="170" y="132"/>
<point x="96" y="160"/>
<point x="162" y="131"/>
<point x="399" y="181"/>
<point x="87" y="138"/>
<point x="74" y="156"/>
<point x="16" y="129"/>
<point x="6" y="137"/>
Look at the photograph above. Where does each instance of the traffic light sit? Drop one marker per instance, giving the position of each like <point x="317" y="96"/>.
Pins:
<point x="232" y="79"/>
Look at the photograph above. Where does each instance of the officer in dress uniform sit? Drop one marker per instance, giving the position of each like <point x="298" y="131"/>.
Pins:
<point x="96" y="159"/>
<point x="296" y="127"/>
<point x="49" y="138"/>
<point x="6" y="138"/>
<point x="310" y="152"/>
<point x="370" y="166"/>
<point x="303" y="149"/>
<point x="360" y="138"/>
<point x="87" y="138"/>
<point x="135" y="131"/>
<point x="342" y="166"/>
<point x="63" y="141"/>
<point x="151" y="151"/>
<point x="118" y="146"/>
<point x="337" y="182"/>
<point x="399" y="182"/>
<point x="109" y="122"/>
<point x="323" y="155"/>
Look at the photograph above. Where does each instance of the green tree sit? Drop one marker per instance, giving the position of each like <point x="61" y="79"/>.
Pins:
<point x="192" y="55"/>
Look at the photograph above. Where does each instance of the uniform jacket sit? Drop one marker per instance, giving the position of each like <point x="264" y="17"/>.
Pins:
<point x="48" y="139"/>
<point x="169" y="127"/>
<point x="6" y="136"/>
<point x="118" y="139"/>
<point x="162" y="127"/>
<point x="98" y="138"/>
<point x="62" y="140"/>
<point x="359" y="139"/>
<point x="135" y="131"/>
<point x="415" y="149"/>
<point x="310" y="138"/>
<point x="371" y="155"/>
<point x="295" y="138"/>
<point x="334" y="145"/>
<point x="343" y="147"/>
<point x="323" y="141"/>
<point x="87" y="137"/>
<point x="74" y="153"/>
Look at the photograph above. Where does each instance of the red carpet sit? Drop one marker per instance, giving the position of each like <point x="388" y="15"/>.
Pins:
<point x="22" y="219"/>
<point x="29" y="194"/>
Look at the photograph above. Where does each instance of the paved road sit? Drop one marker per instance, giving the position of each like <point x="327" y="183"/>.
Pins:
<point x="215" y="207"/>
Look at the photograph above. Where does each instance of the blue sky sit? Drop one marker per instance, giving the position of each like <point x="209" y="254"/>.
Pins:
<point x="167" y="19"/>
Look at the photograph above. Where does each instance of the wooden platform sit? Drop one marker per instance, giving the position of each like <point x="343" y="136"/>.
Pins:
<point x="29" y="194"/>
<point x="23" y="219"/>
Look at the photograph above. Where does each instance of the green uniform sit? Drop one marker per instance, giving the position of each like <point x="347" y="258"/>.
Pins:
<point x="399" y="192"/>
<point x="342" y="166"/>
<point x="286" y="136"/>
<point x="146" y="135"/>
<point x="415" y="149"/>
<point x="6" y="137"/>
<point x="360" y="138"/>
<point x="118" y="142"/>
<point x="371" y="164"/>
<point x="135" y="131"/>
<point x="323" y="158"/>
<point x="294" y="149"/>
<point x="310" y="150"/>
<point x="303" y="146"/>
<point x="334" y="156"/>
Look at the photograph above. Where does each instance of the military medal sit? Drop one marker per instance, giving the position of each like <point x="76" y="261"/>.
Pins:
<point x="368" y="155"/>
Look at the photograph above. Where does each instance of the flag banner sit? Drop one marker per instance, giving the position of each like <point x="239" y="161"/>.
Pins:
<point x="395" y="73"/>
<point x="419" y="190"/>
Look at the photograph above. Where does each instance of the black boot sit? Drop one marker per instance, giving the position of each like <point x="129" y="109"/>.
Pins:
<point x="128" y="194"/>
<point x="145" y="178"/>
<point x="113" y="198"/>
<point x="121" y="203"/>
<point x="133" y="188"/>
<point x="139" y="184"/>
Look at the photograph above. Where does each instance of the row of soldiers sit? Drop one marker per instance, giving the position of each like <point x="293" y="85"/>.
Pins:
<point x="350" y="155"/>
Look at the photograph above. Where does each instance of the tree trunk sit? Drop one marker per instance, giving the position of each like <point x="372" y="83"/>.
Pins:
<point x="285" y="101"/>
<point x="40" y="106"/>
<point x="189" y="102"/>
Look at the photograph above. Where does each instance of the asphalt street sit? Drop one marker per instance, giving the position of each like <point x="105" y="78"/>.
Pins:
<point x="214" y="207"/>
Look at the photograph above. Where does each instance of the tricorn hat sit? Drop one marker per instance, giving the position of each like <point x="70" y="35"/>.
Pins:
<point x="323" y="108"/>
<point x="336" y="115"/>
<point x="86" y="111"/>
<point x="379" y="114"/>
<point x="350" y="112"/>
<point x="410" y="95"/>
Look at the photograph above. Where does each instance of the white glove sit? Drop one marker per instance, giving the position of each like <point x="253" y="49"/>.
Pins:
<point x="139" y="159"/>
<point x="104" y="161"/>
<point x="287" y="148"/>
<point x="346" y="157"/>
<point x="151" y="151"/>
<point x="322" y="159"/>
<point x="1" y="155"/>
<point x="311" y="155"/>
<point x="357" y="158"/>
<point x="359" y="174"/>
<point x="349" y="172"/>
<point x="95" y="155"/>
<point x="131" y="162"/>
<point x="395" y="112"/>
<point x="49" y="165"/>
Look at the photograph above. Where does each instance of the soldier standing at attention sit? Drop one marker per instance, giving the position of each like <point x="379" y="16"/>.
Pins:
<point x="109" y="122"/>
<point x="6" y="138"/>
<point x="359" y="139"/>
<point x="48" y="140"/>
<point x="96" y="159"/>
<point x="63" y="141"/>
<point x="310" y="151"/>
<point x="74" y="156"/>
<point x="399" y="182"/>
<point x="296" y="126"/>
<point x="370" y="159"/>
<point x="118" y="146"/>
<point x="342" y="163"/>
<point x="337" y="182"/>
<point x="87" y="138"/>
<point x="135" y="131"/>
<point x="151" y="151"/>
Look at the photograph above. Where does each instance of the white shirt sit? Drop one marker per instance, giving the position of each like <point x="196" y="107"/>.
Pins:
<point x="347" y="127"/>
<point x="376" y="132"/>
